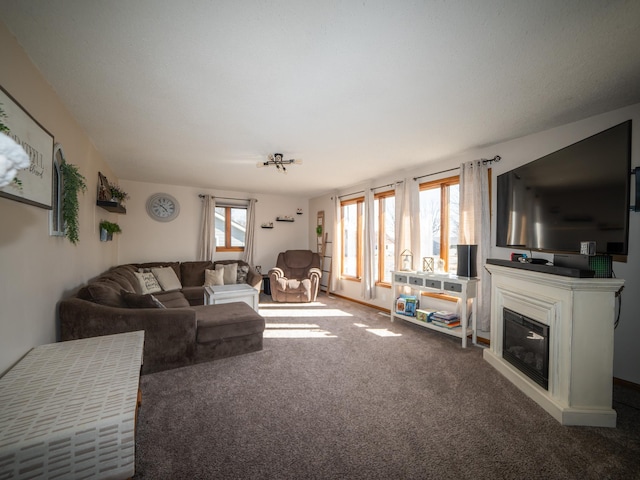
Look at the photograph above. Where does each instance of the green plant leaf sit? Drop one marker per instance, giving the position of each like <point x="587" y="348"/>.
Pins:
<point x="72" y="183"/>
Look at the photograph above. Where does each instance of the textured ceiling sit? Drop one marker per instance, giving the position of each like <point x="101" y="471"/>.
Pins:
<point x="197" y="92"/>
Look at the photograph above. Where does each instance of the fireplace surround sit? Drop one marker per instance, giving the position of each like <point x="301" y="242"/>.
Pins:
<point x="579" y="315"/>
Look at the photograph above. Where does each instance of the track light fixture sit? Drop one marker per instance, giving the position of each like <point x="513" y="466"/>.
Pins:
<point x="277" y="160"/>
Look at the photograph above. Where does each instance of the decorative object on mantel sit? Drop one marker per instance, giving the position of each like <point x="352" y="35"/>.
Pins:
<point x="279" y="162"/>
<point x="299" y="211"/>
<point x="284" y="218"/>
<point x="267" y="225"/>
<point x="24" y="177"/>
<point x="110" y="197"/>
<point x="407" y="260"/>
<point x="73" y="182"/>
<point x="428" y="264"/>
<point x="107" y="229"/>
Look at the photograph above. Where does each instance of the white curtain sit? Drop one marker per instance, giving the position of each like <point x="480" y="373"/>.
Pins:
<point x="407" y="227"/>
<point x="335" y="282"/>
<point x="250" y="232"/>
<point x="475" y="229"/>
<point x="207" y="246"/>
<point x="369" y="268"/>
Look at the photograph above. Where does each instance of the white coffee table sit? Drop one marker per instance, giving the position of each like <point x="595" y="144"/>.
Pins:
<point x="241" y="292"/>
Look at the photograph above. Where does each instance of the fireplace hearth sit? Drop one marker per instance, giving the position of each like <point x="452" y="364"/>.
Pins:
<point x="525" y="345"/>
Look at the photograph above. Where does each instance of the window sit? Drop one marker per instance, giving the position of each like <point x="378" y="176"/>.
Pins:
<point x="384" y="227"/>
<point x="439" y="220"/>
<point x="56" y="224"/>
<point x="351" y="211"/>
<point x="231" y="224"/>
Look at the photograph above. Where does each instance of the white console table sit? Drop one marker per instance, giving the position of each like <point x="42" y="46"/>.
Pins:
<point x="67" y="410"/>
<point x="580" y="315"/>
<point x="464" y="288"/>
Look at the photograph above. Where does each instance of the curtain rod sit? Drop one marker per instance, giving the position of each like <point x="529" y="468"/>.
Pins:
<point x="202" y="195"/>
<point x="484" y="161"/>
<point x="372" y="188"/>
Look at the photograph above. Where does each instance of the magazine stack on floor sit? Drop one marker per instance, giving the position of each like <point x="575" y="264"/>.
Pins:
<point x="443" y="318"/>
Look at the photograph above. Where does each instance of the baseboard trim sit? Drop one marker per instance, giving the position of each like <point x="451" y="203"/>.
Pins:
<point x="626" y="383"/>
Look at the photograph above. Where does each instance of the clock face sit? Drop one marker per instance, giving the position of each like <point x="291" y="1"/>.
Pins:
<point x="162" y="207"/>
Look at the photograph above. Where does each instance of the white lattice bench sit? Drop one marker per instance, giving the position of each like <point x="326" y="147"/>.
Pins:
<point x="67" y="410"/>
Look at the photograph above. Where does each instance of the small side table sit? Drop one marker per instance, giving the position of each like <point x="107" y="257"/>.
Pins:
<point x="266" y="284"/>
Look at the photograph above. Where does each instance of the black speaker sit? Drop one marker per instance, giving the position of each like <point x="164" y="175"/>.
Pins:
<point x="467" y="255"/>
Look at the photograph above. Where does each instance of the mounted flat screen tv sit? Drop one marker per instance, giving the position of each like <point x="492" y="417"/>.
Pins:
<point x="579" y="193"/>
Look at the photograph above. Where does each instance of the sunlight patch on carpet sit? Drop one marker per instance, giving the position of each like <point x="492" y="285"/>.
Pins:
<point x="383" y="332"/>
<point x="302" y="312"/>
<point x="279" y="332"/>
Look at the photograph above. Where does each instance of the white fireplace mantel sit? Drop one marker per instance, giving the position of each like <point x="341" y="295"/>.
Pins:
<point x="580" y="315"/>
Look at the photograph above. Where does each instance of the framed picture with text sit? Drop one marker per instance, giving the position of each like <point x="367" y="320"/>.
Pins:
<point x="34" y="185"/>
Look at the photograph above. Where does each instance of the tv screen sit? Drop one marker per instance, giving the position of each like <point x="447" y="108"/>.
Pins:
<point x="579" y="193"/>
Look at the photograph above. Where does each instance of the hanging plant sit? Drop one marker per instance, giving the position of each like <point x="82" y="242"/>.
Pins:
<point x="107" y="229"/>
<point x="72" y="183"/>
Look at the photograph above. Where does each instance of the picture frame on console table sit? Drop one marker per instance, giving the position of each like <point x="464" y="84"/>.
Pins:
<point x="34" y="185"/>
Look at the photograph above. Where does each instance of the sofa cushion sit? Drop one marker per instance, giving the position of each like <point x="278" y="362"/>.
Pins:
<point x="230" y="272"/>
<point x="167" y="278"/>
<point x="172" y="299"/>
<point x="105" y="292"/>
<point x="213" y="277"/>
<point x="149" y="265"/>
<point x="227" y="320"/>
<point x="192" y="273"/>
<point x="122" y="280"/>
<point x="194" y="295"/>
<point x="148" y="282"/>
<point x="243" y="273"/>
<point x="133" y="300"/>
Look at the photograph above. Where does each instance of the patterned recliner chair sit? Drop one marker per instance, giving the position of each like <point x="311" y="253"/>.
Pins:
<point x="296" y="276"/>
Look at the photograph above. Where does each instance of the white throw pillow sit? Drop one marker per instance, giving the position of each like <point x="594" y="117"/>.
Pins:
<point x="230" y="272"/>
<point x="213" y="277"/>
<point x="167" y="278"/>
<point x="148" y="282"/>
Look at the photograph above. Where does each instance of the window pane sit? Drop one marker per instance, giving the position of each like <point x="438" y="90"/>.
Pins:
<point x="350" y="240"/>
<point x="454" y="226"/>
<point x="430" y="207"/>
<point x="238" y="226"/>
<point x="389" y="238"/>
<point x="220" y="226"/>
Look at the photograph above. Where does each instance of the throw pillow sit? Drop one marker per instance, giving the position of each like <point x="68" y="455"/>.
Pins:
<point x="133" y="300"/>
<point x="148" y="282"/>
<point x="243" y="273"/>
<point x="167" y="278"/>
<point x="230" y="272"/>
<point x="213" y="277"/>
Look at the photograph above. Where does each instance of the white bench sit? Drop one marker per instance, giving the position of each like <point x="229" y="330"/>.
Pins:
<point x="67" y="410"/>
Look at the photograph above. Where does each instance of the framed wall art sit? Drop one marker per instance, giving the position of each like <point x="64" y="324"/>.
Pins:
<point x="34" y="185"/>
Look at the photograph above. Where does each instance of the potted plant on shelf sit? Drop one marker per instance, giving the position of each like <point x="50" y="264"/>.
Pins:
<point x="117" y="194"/>
<point x="107" y="229"/>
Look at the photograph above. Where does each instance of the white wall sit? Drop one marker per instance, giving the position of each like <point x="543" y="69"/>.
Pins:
<point x="144" y="239"/>
<point x="520" y="151"/>
<point x="37" y="270"/>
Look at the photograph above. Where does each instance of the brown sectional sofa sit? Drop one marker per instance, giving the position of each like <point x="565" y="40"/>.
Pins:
<point x="179" y="331"/>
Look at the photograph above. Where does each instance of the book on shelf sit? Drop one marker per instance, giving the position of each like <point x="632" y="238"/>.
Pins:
<point x="450" y="325"/>
<point x="424" y="314"/>
<point x="445" y="315"/>
<point x="407" y="305"/>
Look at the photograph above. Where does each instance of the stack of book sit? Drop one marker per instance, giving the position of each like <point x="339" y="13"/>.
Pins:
<point x="445" y="319"/>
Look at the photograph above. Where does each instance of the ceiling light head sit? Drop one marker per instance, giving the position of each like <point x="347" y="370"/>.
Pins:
<point x="277" y="159"/>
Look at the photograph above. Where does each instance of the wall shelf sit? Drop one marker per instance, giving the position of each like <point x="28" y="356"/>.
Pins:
<point x="113" y="207"/>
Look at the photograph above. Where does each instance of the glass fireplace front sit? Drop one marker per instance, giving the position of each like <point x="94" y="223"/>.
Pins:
<point x="525" y="344"/>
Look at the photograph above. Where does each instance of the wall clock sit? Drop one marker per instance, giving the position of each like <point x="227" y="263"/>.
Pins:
<point x="163" y="207"/>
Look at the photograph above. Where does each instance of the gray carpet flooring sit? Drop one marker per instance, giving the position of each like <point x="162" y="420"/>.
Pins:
<point x="340" y="392"/>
